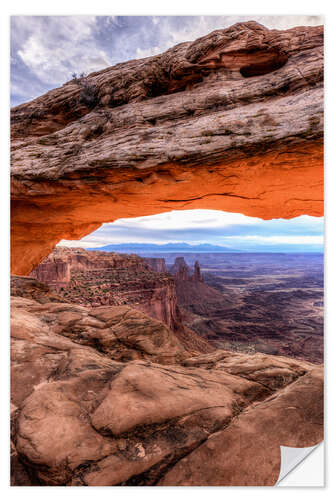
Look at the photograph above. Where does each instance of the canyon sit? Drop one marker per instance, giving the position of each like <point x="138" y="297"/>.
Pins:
<point x="256" y="302"/>
<point x="105" y="396"/>
<point x="269" y="303"/>
<point x="111" y="385"/>
<point x="103" y="278"/>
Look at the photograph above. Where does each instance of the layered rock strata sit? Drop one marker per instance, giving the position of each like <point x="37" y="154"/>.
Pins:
<point x="156" y="264"/>
<point x="102" y="278"/>
<point x="194" y="127"/>
<point x="96" y="278"/>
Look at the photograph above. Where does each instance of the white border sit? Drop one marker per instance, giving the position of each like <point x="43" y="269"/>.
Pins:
<point x="132" y="7"/>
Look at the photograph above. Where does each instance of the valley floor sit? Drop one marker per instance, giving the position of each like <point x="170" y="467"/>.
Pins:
<point x="270" y="303"/>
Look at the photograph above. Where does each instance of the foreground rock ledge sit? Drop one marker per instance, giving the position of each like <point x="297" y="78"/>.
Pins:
<point x="232" y="121"/>
<point x="108" y="396"/>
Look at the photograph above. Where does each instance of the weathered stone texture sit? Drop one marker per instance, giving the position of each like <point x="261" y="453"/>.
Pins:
<point x="107" y="396"/>
<point x="194" y="127"/>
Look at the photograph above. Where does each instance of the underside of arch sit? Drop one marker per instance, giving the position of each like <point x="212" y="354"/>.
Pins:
<point x="232" y="121"/>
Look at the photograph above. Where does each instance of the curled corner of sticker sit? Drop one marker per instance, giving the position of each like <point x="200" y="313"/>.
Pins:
<point x="291" y="457"/>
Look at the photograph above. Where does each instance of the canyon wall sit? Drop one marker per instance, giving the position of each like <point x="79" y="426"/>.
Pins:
<point x="157" y="264"/>
<point x="103" y="278"/>
<point x="95" y="279"/>
<point x="182" y="272"/>
<point x="270" y="303"/>
<point x="194" y="296"/>
<point x="56" y="270"/>
<point x="232" y="121"/>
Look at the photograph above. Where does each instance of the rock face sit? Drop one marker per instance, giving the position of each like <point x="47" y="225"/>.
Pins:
<point x="107" y="278"/>
<point x="103" y="278"/>
<point x="57" y="269"/>
<point x="180" y="269"/>
<point x="194" y="127"/>
<point x="108" y="396"/>
<point x="156" y="264"/>
<point x="27" y="287"/>
<point x="237" y="455"/>
<point x="193" y="295"/>
<point x="197" y="276"/>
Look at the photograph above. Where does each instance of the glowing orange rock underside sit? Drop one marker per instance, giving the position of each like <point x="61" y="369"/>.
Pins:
<point x="279" y="184"/>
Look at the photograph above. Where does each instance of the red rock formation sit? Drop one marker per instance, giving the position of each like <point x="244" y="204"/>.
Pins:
<point x="24" y="286"/>
<point x="107" y="396"/>
<point x="106" y="278"/>
<point x="157" y="264"/>
<point x="180" y="269"/>
<point x="55" y="273"/>
<point x="57" y="268"/>
<point x="97" y="278"/>
<point x="231" y="121"/>
<point x="197" y="272"/>
<point x="193" y="295"/>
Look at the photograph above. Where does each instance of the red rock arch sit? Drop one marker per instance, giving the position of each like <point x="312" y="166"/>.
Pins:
<point x="185" y="129"/>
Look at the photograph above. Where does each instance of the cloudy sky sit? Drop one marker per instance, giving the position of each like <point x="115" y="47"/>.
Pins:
<point x="235" y="231"/>
<point x="46" y="50"/>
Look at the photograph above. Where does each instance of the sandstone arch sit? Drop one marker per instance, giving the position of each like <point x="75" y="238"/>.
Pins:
<point x="232" y="121"/>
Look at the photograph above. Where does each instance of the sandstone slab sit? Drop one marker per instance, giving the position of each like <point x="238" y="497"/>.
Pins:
<point x="247" y="453"/>
<point x="147" y="394"/>
<point x="83" y="414"/>
<point x="194" y="127"/>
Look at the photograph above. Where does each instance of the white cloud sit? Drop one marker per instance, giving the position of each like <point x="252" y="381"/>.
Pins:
<point x="55" y="47"/>
<point x="152" y="51"/>
<point x="199" y="26"/>
<point x="199" y="226"/>
<point x="186" y="219"/>
<point x="79" y="243"/>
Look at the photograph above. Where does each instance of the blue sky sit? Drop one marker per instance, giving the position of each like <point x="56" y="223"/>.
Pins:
<point x="46" y="50"/>
<point x="237" y="231"/>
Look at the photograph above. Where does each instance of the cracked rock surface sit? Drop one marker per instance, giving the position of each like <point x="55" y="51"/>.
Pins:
<point x="108" y="396"/>
<point x="194" y="127"/>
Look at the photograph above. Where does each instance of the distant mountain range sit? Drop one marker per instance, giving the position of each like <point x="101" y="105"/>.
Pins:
<point x="164" y="248"/>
